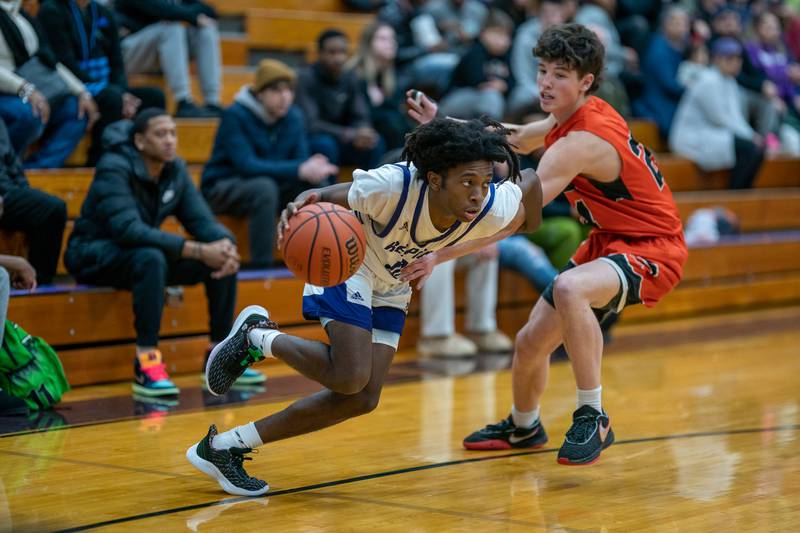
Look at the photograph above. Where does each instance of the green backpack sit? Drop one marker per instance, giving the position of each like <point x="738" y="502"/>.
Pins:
<point x="30" y="369"/>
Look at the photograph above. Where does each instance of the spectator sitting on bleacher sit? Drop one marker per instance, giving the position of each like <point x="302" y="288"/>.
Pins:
<point x="662" y="91"/>
<point x="422" y="53"/>
<point x="622" y="62"/>
<point x="153" y="35"/>
<point x="58" y="123"/>
<point x="84" y="37"/>
<point x="524" y="97"/>
<point x="458" y="21"/>
<point x="709" y="126"/>
<point x="336" y="109"/>
<point x="483" y="77"/>
<point x="761" y="95"/>
<point x="374" y="64"/>
<point x="769" y="55"/>
<point x="261" y="159"/>
<point x="117" y="242"/>
<point x="40" y="216"/>
<point x="636" y="21"/>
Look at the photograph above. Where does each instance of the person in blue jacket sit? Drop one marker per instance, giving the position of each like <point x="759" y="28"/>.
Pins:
<point x="261" y="158"/>
<point x="662" y="91"/>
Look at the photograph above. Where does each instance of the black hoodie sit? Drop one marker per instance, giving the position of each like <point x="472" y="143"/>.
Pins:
<point x="125" y="207"/>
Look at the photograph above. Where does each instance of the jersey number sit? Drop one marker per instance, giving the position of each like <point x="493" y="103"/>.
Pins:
<point x="644" y="155"/>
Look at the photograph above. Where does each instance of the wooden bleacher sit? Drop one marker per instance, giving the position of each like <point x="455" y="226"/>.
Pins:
<point x="93" y="327"/>
<point x="296" y="30"/>
<point x="238" y="8"/>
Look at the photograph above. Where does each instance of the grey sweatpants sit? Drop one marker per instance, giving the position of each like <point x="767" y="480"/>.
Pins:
<point x="167" y="47"/>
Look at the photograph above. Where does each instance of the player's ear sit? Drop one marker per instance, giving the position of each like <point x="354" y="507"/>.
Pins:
<point x="586" y="82"/>
<point x="435" y="180"/>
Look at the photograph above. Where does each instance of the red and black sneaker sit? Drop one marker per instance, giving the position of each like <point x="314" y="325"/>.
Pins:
<point x="589" y="435"/>
<point x="506" y="435"/>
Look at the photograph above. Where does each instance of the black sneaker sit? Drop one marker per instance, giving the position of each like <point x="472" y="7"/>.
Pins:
<point x="589" y="435"/>
<point x="225" y="466"/>
<point x="505" y="435"/>
<point x="231" y="357"/>
<point x="188" y="109"/>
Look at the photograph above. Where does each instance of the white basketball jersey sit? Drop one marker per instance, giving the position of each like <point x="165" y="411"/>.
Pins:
<point x="392" y="205"/>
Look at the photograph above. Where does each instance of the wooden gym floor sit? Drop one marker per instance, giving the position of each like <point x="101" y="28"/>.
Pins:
<point x="706" y="413"/>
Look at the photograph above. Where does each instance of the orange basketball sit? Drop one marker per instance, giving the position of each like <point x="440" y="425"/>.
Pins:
<point x="324" y="244"/>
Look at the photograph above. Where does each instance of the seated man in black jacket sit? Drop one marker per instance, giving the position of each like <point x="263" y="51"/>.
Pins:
<point x="84" y="37"/>
<point x="336" y="109"/>
<point x="138" y="183"/>
<point x="37" y="214"/>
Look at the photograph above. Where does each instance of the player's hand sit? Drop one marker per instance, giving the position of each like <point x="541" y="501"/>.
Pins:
<point x="421" y="109"/>
<point x="292" y="208"/>
<point x="23" y="275"/>
<point x="419" y="270"/>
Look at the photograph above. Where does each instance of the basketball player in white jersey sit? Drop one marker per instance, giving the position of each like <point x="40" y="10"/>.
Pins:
<point x="441" y="196"/>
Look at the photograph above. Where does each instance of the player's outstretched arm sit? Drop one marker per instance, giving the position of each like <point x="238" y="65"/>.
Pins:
<point x="525" y="138"/>
<point x="335" y="194"/>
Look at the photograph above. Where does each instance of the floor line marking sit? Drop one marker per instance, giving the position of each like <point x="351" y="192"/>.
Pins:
<point x="399" y="471"/>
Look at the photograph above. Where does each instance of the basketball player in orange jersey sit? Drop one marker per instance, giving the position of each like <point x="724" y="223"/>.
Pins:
<point x="634" y="254"/>
<point x="442" y="195"/>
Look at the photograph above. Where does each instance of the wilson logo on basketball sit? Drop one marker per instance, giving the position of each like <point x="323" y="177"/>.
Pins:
<point x="325" y="275"/>
<point x="353" y="257"/>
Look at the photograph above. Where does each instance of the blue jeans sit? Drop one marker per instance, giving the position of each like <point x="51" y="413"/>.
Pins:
<point x="61" y="135"/>
<point x="519" y="254"/>
<point x="346" y="154"/>
<point x="23" y="127"/>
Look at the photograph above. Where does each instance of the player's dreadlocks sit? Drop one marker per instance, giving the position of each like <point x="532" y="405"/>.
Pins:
<point x="442" y="144"/>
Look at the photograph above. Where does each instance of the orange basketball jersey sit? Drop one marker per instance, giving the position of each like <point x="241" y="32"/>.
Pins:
<point x="638" y="203"/>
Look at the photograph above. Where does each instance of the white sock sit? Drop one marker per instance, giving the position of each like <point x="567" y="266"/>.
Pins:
<point x="524" y="419"/>
<point x="263" y="338"/>
<point x="590" y="397"/>
<point x="245" y="436"/>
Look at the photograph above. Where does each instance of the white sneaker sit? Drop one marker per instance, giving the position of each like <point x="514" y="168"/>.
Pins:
<point x="492" y="341"/>
<point x="453" y="346"/>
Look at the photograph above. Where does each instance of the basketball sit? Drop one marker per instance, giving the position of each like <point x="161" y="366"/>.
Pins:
<point x="324" y="244"/>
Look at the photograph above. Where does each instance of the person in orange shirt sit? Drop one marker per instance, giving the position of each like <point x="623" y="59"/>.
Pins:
<point x="634" y="254"/>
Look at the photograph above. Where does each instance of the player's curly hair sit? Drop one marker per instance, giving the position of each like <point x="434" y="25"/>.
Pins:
<point x="577" y="46"/>
<point x="441" y="144"/>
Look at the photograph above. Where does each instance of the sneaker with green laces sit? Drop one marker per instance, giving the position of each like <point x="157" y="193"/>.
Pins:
<point x="230" y="358"/>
